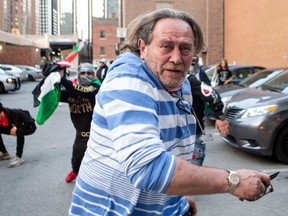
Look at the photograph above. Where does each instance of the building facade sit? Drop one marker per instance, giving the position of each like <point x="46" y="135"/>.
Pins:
<point x="110" y="8"/>
<point x="255" y="32"/>
<point x="17" y="16"/>
<point x="104" y="38"/>
<point x="208" y="13"/>
<point x="243" y="32"/>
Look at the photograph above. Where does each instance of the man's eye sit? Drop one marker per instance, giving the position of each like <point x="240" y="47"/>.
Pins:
<point x="186" y="50"/>
<point x="167" y="46"/>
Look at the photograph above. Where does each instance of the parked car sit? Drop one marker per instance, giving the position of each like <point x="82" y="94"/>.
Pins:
<point x="239" y="72"/>
<point x="258" y="119"/>
<point x="14" y="71"/>
<point x="8" y="83"/>
<point x="33" y="73"/>
<point x="253" y="81"/>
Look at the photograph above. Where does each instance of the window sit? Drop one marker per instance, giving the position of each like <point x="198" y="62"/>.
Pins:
<point x="241" y="73"/>
<point x="102" y="34"/>
<point x="102" y="50"/>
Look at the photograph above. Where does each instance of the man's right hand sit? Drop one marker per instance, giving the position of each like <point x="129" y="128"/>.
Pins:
<point x="252" y="184"/>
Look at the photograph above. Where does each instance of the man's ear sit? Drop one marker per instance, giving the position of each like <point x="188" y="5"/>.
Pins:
<point x="142" y="49"/>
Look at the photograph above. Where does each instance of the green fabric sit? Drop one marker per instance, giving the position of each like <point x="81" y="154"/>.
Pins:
<point x="48" y="104"/>
<point x="96" y="81"/>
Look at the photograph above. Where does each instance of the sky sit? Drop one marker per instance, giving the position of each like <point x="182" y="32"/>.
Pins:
<point x="82" y="8"/>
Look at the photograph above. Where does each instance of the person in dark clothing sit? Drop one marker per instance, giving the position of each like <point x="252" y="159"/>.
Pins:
<point x="81" y="100"/>
<point x="203" y="93"/>
<point x="223" y="73"/>
<point x="102" y="70"/>
<point x="19" y="123"/>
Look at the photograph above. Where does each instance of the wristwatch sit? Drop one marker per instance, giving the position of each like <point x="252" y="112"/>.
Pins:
<point x="233" y="181"/>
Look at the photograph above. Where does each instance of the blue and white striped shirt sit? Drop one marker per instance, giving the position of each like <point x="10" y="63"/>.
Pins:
<point x="136" y="132"/>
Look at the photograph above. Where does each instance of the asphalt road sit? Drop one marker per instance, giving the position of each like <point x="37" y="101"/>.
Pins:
<point x="38" y="187"/>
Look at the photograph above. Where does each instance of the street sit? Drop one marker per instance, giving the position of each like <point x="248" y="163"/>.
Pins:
<point x="38" y="187"/>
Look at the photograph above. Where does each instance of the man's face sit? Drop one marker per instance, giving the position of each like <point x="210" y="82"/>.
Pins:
<point x="170" y="53"/>
<point x="101" y="64"/>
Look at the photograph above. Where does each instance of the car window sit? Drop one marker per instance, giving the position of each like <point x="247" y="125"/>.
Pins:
<point x="241" y="73"/>
<point x="256" y="69"/>
<point x="279" y="82"/>
<point x="259" y="78"/>
<point x="5" y="68"/>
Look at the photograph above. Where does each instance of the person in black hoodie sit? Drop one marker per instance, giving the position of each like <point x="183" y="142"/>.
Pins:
<point x="102" y="70"/>
<point x="80" y="97"/>
<point x="19" y="123"/>
<point x="203" y="93"/>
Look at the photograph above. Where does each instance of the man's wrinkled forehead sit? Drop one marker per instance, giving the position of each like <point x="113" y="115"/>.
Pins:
<point x="173" y="30"/>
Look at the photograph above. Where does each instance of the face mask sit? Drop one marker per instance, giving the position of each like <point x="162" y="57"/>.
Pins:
<point x="85" y="80"/>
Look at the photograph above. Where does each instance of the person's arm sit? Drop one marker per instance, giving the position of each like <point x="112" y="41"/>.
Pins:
<point x="145" y="160"/>
<point x="205" y="93"/>
<point x="217" y="68"/>
<point x="190" y="179"/>
<point x="203" y="77"/>
<point x="77" y="90"/>
<point x="228" y="81"/>
<point x="230" y="78"/>
<point x="212" y="97"/>
<point x="23" y="120"/>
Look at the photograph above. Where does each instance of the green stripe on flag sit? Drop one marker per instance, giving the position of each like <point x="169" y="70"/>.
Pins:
<point x="48" y="105"/>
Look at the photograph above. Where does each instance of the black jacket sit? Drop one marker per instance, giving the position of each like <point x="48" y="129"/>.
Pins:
<point x="102" y="72"/>
<point x="81" y="101"/>
<point x="20" y="118"/>
<point x="201" y="93"/>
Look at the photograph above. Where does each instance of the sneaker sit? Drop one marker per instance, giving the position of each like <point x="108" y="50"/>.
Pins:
<point x="70" y="177"/>
<point x="4" y="156"/>
<point x="16" y="162"/>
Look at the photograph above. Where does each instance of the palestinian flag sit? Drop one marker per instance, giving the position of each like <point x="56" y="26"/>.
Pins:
<point x="67" y="61"/>
<point x="49" y="97"/>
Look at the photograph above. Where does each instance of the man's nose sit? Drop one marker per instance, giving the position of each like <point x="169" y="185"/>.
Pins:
<point x="176" y="57"/>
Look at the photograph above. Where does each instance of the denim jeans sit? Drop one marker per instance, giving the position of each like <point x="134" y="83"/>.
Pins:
<point x="199" y="152"/>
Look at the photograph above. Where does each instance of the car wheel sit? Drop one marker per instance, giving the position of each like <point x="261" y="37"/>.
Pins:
<point x="2" y="88"/>
<point x="30" y="78"/>
<point x="281" y="148"/>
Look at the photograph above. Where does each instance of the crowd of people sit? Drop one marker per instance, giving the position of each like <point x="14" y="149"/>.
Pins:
<point x="143" y="150"/>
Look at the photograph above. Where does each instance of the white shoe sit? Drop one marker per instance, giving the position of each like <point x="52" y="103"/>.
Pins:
<point x="15" y="162"/>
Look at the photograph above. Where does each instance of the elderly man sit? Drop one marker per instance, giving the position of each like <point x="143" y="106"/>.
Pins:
<point x="138" y="157"/>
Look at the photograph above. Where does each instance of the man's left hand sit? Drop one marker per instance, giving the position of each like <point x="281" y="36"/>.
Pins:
<point x="222" y="126"/>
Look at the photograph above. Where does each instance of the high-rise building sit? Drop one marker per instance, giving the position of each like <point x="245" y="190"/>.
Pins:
<point x="66" y="24"/>
<point x="17" y="16"/>
<point x="48" y="17"/>
<point x="110" y="7"/>
<point x="5" y="14"/>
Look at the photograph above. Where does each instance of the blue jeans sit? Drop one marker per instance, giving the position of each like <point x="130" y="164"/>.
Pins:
<point x="199" y="152"/>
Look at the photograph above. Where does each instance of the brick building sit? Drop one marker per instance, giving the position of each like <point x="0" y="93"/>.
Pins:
<point x="243" y="32"/>
<point x="208" y="13"/>
<point x="104" y="38"/>
<point x="255" y="32"/>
